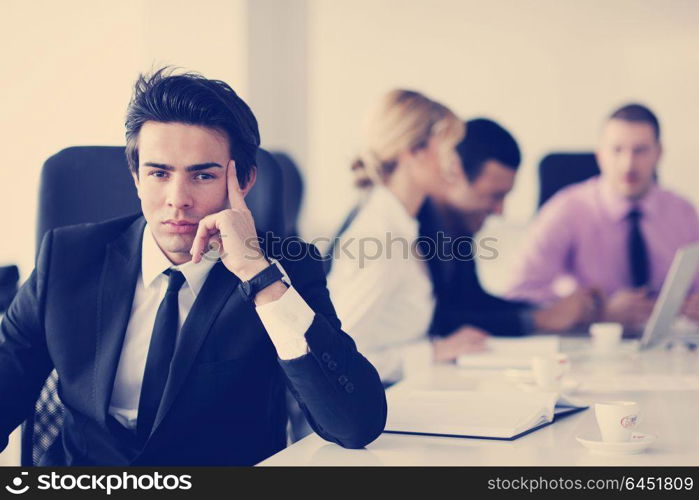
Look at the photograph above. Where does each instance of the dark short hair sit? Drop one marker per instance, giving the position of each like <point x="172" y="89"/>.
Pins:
<point x="486" y="140"/>
<point x="191" y="99"/>
<point x="639" y="113"/>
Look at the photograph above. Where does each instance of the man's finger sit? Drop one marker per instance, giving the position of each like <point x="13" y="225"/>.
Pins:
<point x="235" y="194"/>
<point x="207" y="226"/>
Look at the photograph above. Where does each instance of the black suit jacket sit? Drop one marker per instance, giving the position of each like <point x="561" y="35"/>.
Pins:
<point x="460" y="297"/>
<point x="224" y="402"/>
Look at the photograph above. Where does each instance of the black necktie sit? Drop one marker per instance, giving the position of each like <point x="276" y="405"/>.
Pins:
<point x="160" y="351"/>
<point x="638" y="253"/>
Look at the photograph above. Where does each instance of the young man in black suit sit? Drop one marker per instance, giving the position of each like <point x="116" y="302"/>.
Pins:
<point x="465" y="312"/>
<point x="168" y="353"/>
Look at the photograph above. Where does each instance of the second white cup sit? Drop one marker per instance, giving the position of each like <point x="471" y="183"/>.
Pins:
<point x="606" y="337"/>
<point x="549" y="371"/>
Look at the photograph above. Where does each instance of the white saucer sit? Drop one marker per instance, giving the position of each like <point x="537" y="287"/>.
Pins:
<point x="639" y="442"/>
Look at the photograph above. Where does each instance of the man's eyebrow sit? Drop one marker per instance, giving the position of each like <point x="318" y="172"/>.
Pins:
<point x="191" y="168"/>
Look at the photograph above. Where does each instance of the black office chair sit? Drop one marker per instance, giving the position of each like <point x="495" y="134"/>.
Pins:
<point x="9" y="277"/>
<point x="105" y="190"/>
<point x="293" y="191"/>
<point x="558" y="170"/>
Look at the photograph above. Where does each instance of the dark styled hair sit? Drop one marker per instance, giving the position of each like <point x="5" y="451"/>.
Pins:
<point x="486" y="140"/>
<point x="191" y="99"/>
<point x="635" y="112"/>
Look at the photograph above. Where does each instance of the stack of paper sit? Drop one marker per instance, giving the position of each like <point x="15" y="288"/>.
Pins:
<point x="511" y="352"/>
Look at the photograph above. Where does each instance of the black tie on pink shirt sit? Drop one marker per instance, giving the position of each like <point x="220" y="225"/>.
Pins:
<point x="638" y="252"/>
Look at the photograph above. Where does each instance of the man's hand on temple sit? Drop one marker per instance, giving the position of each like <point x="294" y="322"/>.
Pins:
<point x="232" y="232"/>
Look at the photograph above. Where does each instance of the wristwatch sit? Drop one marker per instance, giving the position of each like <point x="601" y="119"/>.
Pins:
<point x="249" y="289"/>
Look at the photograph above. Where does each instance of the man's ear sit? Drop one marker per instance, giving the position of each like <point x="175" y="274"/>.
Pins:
<point x="251" y="181"/>
<point x="657" y="161"/>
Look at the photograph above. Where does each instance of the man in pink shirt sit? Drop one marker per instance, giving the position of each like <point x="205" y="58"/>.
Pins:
<point x="616" y="234"/>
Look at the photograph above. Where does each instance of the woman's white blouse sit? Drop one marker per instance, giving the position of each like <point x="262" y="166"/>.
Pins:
<point x="381" y="289"/>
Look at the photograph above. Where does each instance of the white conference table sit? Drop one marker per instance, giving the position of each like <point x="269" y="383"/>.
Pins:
<point x="664" y="382"/>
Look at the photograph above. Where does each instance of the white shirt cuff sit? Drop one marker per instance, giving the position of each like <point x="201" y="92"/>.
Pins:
<point x="286" y="320"/>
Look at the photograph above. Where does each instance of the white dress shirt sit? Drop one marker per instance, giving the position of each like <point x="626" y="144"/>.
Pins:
<point x="286" y="321"/>
<point x="384" y="300"/>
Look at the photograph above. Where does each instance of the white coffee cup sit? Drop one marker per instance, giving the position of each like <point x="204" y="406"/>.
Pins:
<point x="617" y="419"/>
<point x="606" y="337"/>
<point x="549" y="371"/>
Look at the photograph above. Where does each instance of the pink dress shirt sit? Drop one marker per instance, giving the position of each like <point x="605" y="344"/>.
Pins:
<point x="582" y="233"/>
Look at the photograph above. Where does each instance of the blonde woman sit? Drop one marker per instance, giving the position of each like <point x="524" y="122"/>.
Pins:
<point x="379" y="282"/>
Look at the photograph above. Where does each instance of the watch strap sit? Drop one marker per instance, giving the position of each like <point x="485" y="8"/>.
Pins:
<point x="249" y="289"/>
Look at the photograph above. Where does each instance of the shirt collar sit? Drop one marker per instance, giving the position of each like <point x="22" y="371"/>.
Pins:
<point x="394" y="210"/>
<point x="618" y="207"/>
<point x="154" y="262"/>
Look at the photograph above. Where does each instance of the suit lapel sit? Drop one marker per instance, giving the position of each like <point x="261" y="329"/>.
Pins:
<point x="216" y="291"/>
<point x="117" y="286"/>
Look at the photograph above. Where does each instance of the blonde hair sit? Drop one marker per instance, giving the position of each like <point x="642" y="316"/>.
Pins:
<point x="404" y="120"/>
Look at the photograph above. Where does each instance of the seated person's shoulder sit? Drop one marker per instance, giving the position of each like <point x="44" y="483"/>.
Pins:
<point x="569" y="199"/>
<point x="676" y="203"/>
<point x="370" y="221"/>
<point x="579" y="192"/>
<point x="89" y="238"/>
<point x="678" y="214"/>
<point x="105" y="228"/>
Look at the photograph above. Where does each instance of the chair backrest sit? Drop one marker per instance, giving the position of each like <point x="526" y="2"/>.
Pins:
<point x="293" y="191"/>
<point x="558" y="170"/>
<point x="92" y="184"/>
<point x="9" y="277"/>
<point x="106" y="190"/>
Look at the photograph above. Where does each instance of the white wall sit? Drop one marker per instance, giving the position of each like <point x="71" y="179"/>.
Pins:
<point x="67" y="71"/>
<point x="550" y="70"/>
<point x="277" y="73"/>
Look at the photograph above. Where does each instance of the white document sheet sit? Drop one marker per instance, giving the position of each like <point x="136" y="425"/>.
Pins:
<point x="513" y="352"/>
